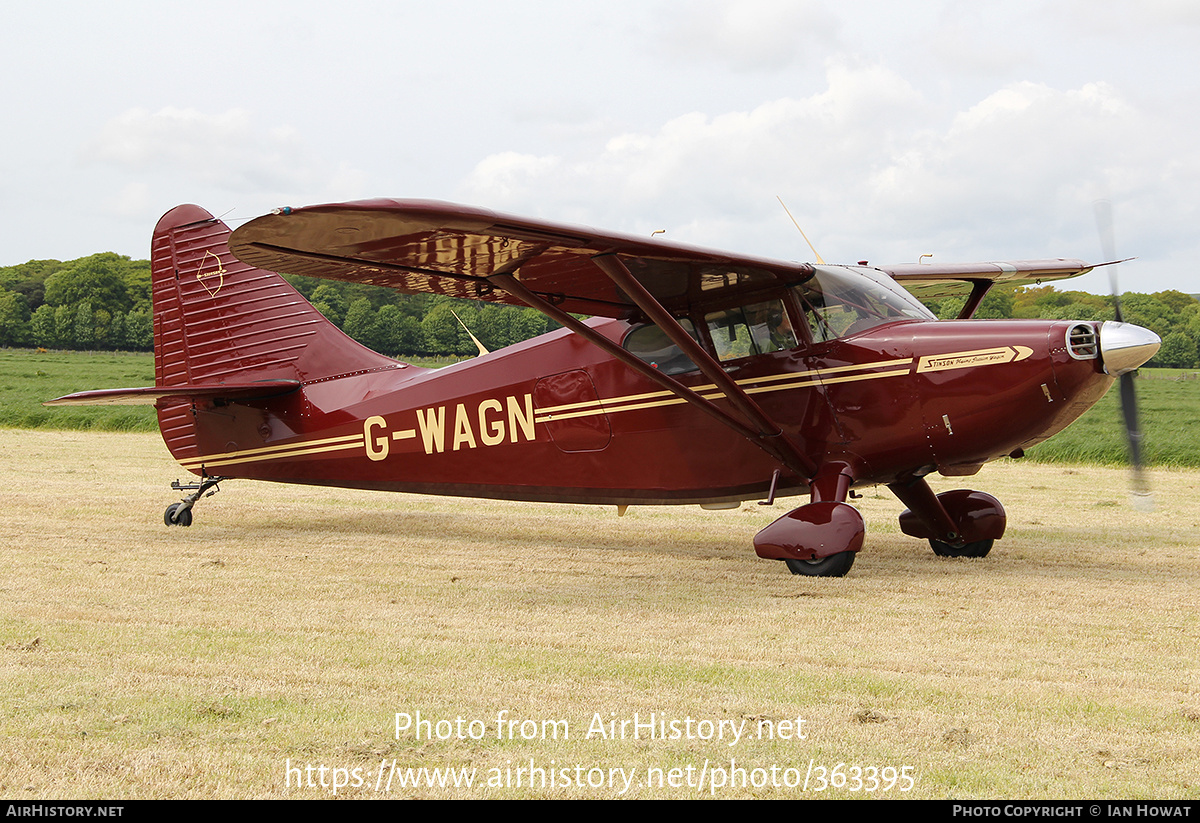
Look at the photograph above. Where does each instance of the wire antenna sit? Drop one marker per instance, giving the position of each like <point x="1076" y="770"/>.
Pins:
<point x="802" y="234"/>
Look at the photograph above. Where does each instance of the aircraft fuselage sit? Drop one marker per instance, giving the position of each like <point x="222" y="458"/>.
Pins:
<point x="555" y="419"/>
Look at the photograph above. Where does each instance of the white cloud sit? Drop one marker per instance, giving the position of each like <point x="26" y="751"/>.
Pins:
<point x="872" y="168"/>
<point x="499" y="177"/>
<point x="717" y="173"/>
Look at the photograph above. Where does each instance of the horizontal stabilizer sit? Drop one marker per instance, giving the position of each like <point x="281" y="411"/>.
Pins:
<point x="151" y="394"/>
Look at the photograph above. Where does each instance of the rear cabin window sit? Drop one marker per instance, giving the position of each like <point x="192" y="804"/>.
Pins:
<point x="651" y="344"/>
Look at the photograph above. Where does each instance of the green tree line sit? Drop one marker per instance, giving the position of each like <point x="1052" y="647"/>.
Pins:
<point x="97" y="302"/>
<point x="102" y="303"/>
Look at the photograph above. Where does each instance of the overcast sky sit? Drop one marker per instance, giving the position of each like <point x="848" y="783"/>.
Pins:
<point x="969" y="130"/>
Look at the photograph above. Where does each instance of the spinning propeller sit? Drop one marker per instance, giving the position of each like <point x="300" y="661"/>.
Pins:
<point x="1124" y="348"/>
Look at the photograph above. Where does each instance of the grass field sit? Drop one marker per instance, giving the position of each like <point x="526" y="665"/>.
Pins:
<point x="289" y="626"/>
<point x="29" y="378"/>
<point x="1168" y="407"/>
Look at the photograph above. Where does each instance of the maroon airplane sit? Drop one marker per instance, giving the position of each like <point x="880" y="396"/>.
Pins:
<point x="701" y="377"/>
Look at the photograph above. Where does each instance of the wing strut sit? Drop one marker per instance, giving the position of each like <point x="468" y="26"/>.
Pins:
<point x="979" y="290"/>
<point x="508" y="283"/>
<point x="768" y="434"/>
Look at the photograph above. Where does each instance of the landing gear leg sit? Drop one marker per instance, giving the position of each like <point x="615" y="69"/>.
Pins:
<point x="960" y="523"/>
<point x="821" y="538"/>
<point x="180" y="514"/>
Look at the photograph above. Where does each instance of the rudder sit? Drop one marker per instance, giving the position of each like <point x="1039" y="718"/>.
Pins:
<point x="218" y="320"/>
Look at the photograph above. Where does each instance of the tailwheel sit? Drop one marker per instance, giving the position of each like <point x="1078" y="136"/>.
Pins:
<point x="836" y="565"/>
<point x="979" y="548"/>
<point x="177" y="515"/>
<point x="180" y="514"/>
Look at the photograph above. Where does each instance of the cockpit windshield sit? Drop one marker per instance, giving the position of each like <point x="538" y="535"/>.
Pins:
<point x="838" y="303"/>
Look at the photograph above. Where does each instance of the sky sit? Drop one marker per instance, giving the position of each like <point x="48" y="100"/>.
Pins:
<point x="969" y="130"/>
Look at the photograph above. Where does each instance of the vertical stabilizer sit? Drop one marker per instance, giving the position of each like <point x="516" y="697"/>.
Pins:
<point x="218" y="320"/>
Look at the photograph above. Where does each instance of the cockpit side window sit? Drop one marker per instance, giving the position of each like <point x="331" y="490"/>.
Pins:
<point x="757" y="328"/>
<point x="651" y="344"/>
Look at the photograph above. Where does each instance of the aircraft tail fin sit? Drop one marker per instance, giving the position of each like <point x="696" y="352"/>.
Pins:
<point x="218" y="320"/>
<point x="224" y="327"/>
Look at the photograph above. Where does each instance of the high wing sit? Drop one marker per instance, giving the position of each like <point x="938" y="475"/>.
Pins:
<point x="427" y="246"/>
<point x="441" y="248"/>
<point x="941" y="280"/>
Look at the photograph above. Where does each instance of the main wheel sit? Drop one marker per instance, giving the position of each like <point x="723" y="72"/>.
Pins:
<point x="184" y="518"/>
<point x="979" y="548"/>
<point x="836" y="565"/>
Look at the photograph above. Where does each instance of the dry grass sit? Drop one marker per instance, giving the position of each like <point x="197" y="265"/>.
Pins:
<point x="293" y="623"/>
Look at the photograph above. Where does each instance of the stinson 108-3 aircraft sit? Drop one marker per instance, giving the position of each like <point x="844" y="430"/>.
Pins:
<point x="701" y="376"/>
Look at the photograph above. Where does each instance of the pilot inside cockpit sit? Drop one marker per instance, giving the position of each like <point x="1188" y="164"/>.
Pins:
<point x="770" y="327"/>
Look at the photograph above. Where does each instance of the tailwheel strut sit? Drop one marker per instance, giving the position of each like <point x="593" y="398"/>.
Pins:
<point x="180" y="514"/>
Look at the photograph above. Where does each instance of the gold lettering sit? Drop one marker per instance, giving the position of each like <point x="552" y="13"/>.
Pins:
<point x="462" y="428"/>
<point x="433" y="428"/>
<point x="377" y="448"/>
<point x="515" y="416"/>
<point x="492" y="434"/>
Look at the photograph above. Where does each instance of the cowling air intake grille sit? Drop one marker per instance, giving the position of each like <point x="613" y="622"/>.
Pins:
<point x="1082" y="342"/>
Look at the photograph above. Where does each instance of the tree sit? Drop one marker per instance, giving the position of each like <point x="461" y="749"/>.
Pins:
<point x="64" y="327"/>
<point x="29" y="279"/>
<point x="1176" y="301"/>
<point x="139" y="330"/>
<point x="441" y="331"/>
<point x="96" y="279"/>
<point x="83" y="326"/>
<point x="394" y="333"/>
<point x="997" y="304"/>
<point x="14" y="319"/>
<point x="1178" y="351"/>
<point x="41" y="327"/>
<point x="330" y="301"/>
<point x="360" y="322"/>
<point x="1148" y="311"/>
<point x="138" y="282"/>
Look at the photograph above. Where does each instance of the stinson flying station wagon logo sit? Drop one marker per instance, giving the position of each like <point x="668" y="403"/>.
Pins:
<point x="217" y="270"/>
<point x="979" y="357"/>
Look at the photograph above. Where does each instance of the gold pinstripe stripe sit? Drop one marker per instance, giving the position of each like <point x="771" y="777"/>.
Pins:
<point x="633" y="402"/>
<point x="276" y="452"/>
<point x="802" y="377"/>
<point x="795" y="380"/>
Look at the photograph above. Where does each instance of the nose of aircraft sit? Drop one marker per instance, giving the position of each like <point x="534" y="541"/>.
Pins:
<point x="1124" y="346"/>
